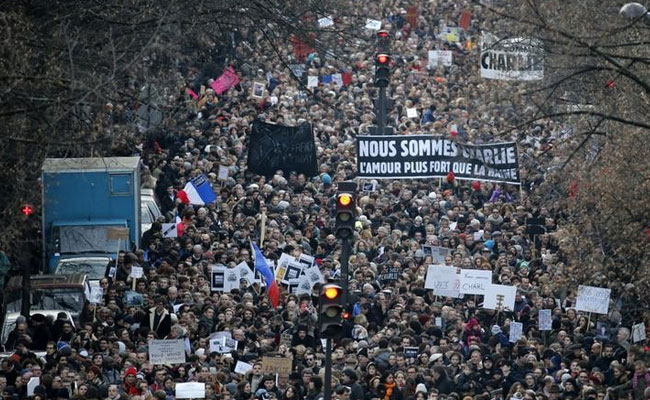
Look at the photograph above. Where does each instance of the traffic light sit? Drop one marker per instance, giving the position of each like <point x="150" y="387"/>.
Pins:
<point x="26" y="210"/>
<point x="382" y="69"/>
<point x="345" y="215"/>
<point x="330" y="311"/>
<point x="383" y="43"/>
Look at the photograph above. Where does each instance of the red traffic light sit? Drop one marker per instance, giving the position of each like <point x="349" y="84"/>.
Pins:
<point x="345" y="199"/>
<point x="383" y="59"/>
<point x="27" y="210"/>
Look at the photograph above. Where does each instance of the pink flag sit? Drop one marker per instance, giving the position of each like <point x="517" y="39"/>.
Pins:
<point x="227" y="80"/>
<point x="192" y="93"/>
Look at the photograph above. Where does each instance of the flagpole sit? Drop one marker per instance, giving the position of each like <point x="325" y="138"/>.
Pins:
<point x="263" y="230"/>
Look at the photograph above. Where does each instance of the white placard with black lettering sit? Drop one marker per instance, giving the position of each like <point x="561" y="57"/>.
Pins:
<point x="294" y="270"/>
<point x="516" y="331"/>
<point x="314" y="275"/>
<point x="638" y="332"/>
<point x="169" y="230"/>
<point x="325" y="22"/>
<point x="475" y="281"/>
<point x="306" y="260"/>
<point x="96" y="295"/>
<point x="443" y="280"/>
<point x="137" y="272"/>
<point x="245" y="272"/>
<point x="223" y="173"/>
<point x="545" y="320"/>
<point x="593" y="299"/>
<point x="167" y="351"/>
<point x="243" y="367"/>
<point x="491" y="300"/>
<point x="190" y="390"/>
<point x="373" y="24"/>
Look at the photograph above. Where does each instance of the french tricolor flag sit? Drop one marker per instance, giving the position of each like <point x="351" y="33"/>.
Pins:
<point x="197" y="192"/>
<point x="263" y="268"/>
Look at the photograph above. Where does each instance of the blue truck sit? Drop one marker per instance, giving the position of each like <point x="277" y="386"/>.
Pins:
<point x="91" y="209"/>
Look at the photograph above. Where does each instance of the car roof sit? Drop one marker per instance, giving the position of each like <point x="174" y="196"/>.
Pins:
<point x="13" y="316"/>
<point x="48" y="281"/>
<point x="84" y="259"/>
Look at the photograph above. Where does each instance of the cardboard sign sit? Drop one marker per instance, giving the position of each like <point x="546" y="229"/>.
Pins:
<point x="137" y="272"/>
<point x="475" y="281"/>
<point x="411" y="113"/>
<point x="516" y="331"/>
<point x="167" y="351"/>
<point x="116" y="232"/>
<point x="500" y="298"/>
<point x="445" y="281"/>
<point x="593" y="299"/>
<point x="276" y="365"/>
<point x="545" y="320"/>
<point x="638" y="332"/>
<point x="190" y="390"/>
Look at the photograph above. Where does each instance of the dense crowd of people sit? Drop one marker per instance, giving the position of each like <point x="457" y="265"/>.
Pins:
<point x="463" y="350"/>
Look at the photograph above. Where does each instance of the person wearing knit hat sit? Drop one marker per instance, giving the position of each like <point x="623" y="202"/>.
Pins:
<point x="130" y="382"/>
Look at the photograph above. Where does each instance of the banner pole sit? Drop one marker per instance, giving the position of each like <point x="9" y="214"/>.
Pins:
<point x="263" y="229"/>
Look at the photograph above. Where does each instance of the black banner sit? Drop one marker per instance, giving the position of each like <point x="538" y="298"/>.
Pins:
<point x="422" y="156"/>
<point x="289" y="148"/>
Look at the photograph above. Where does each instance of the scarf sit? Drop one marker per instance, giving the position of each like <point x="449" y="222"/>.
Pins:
<point x="635" y="379"/>
<point x="389" y="390"/>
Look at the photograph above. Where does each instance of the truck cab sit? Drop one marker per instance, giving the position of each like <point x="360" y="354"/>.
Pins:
<point x="49" y="292"/>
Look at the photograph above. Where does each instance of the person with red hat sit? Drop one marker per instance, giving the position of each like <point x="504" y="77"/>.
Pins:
<point x="129" y="386"/>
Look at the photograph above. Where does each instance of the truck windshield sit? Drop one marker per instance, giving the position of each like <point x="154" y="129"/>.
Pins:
<point x="67" y="299"/>
<point x="95" y="269"/>
<point x="86" y="239"/>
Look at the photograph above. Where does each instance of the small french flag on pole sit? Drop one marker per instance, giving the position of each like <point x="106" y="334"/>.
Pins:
<point x="199" y="192"/>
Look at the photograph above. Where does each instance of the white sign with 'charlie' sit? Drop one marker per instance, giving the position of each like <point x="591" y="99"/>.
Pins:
<point x="475" y="281"/>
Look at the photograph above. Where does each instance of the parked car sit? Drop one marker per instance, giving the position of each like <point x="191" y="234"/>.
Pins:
<point x="10" y="321"/>
<point x="149" y="210"/>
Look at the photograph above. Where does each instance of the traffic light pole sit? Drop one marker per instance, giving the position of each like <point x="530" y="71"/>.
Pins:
<point x="381" y="112"/>
<point x="345" y="259"/>
<point x="327" y="393"/>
